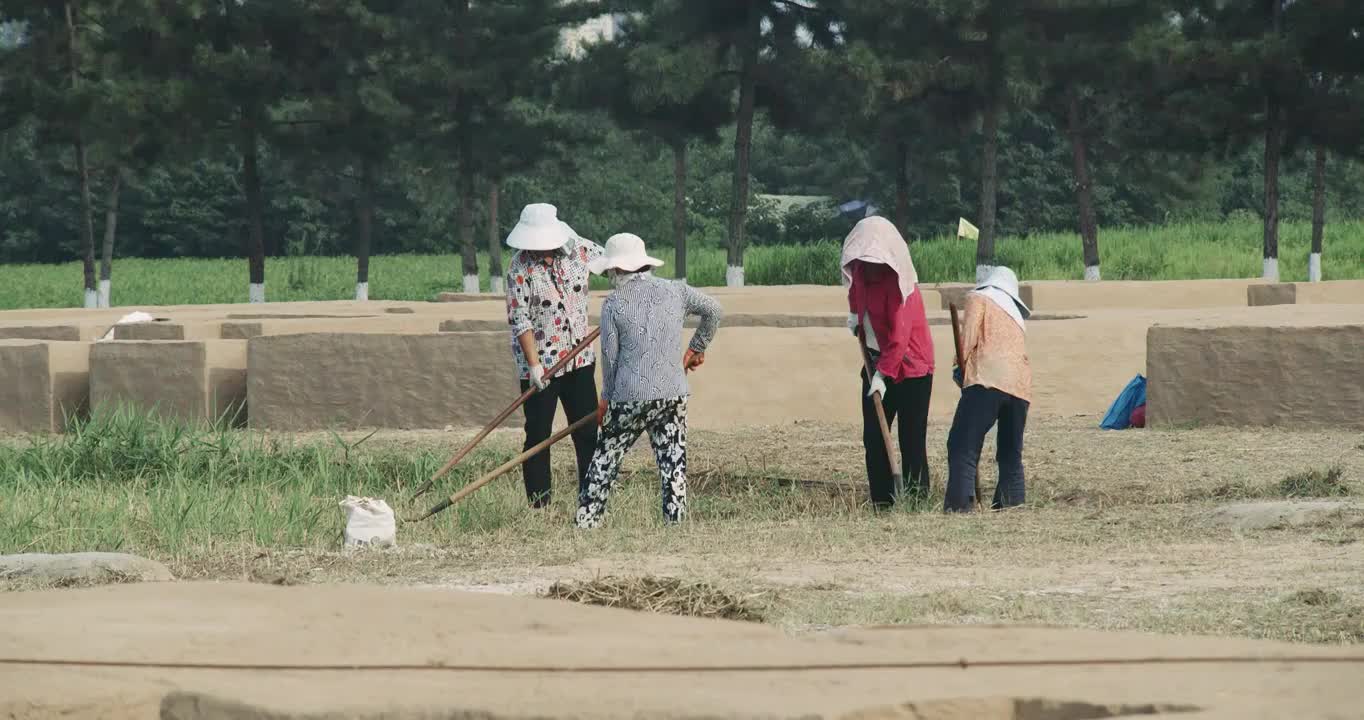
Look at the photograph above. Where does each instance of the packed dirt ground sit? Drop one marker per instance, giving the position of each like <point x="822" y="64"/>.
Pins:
<point x="1168" y="531"/>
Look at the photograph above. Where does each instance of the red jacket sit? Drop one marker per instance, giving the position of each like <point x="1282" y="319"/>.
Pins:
<point x="901" y="327"/>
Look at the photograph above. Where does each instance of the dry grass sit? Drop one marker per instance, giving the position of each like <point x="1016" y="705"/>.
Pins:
<point x="1116" y="534"/>
<point x="670" y="596"/>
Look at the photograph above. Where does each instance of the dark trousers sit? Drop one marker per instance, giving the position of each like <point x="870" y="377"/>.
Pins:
<point x="907" y="400"/>
<point x="577" y="392"/>
<point x="979" y="409"/>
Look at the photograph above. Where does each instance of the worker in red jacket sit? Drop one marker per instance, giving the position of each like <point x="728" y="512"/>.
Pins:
<point x="887" y="310"/>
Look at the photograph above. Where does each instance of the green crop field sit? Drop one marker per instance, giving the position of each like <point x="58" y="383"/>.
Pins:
<point x="1172" y="252"/>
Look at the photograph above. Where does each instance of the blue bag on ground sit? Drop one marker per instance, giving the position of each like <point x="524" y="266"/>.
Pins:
<point x="1119" y="416"/>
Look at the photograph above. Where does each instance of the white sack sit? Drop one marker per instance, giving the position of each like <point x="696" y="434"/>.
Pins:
<point x="369" y="521"/>
<point x="130" y="318"/>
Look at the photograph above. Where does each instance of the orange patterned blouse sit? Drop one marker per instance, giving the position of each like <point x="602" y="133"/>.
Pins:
<point x="994" y="349"/>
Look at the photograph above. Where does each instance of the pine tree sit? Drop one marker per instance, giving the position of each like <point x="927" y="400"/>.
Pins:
<point x="353" y="118"/>
<point x="233" y="67"/>
<point x="470" y="60"/>
<point x="671" y="92"/>
<point x="1090" y="64"/>
<point x="755" y="39"/>
<point x="47" y="69"/>
<point x="886" y="87"/>
<point x="1329" y="36"/>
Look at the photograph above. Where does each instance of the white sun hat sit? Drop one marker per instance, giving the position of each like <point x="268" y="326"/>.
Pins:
<point x="1001" y="287"/>
<point x="624" y="251"/>
<point x="540" y="229"/>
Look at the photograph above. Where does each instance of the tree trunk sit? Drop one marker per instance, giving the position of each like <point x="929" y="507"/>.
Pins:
<point x="989" y="171"/>
<point x="106" y="266"/>
<point x="465" y="188"/>
<point x="902" y="187"/>
<point x="1084" y="189"/>
<point x="364" y="239"/>
<point x="464" y="182"/>
<point x="1273" y="151"/>
<point x="1318" y="214"/>
<point x="743" y="141"/>
<point x="680" y="210"/>
<point x="87" y="225"/>
<point x="255" y="206"/>
<point x="87" y="220"/>
<point x="496" y="283"/>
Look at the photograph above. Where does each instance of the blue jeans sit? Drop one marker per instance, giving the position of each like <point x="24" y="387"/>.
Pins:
<point x="977" y="411"/>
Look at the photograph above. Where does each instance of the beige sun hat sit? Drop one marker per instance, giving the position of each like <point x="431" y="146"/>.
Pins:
<point x="624" y="251"/>
<point x="540" y="229"/>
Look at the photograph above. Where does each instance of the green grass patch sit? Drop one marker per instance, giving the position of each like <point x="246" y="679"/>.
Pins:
<point x="1317" y="483"/>
<point x="1173" y="252"/>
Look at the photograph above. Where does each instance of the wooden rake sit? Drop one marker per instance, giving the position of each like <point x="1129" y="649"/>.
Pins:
<point x="507" y="467"/>
<point x="502" y="416"/>
<point x="897" y="479"/>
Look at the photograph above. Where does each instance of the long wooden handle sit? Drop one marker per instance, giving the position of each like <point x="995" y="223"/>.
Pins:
<point x="956" y="345"/>
<point x="508" y="466"/>
<point x="501" y="417"/>
<point x="956" y="336"/>
<point x="881" y="415"/>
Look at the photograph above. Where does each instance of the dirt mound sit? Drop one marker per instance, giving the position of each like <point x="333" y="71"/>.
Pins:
<point x="358" y="651"/>
<point x="79" y="569"/>
<point x="658" y="595"/>
<point x="1283" y="513"/>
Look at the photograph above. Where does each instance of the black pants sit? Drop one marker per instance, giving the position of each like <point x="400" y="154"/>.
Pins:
<point x="577" y="392"/>
<point x="978" y="410"/>
<point x="908" y="400"/>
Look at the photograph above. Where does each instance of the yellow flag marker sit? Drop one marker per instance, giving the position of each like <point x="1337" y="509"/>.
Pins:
<point x="967" y="230"/>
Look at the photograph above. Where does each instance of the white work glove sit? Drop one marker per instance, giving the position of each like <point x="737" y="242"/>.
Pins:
<point x="854" y="322"/>
<point x="537" y="377"/>
<point x="878" y="385"/>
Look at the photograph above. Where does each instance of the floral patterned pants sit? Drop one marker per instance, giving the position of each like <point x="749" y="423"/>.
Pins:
<point x="666" y="422"/>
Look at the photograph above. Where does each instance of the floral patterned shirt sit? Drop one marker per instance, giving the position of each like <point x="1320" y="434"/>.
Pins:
<point x="995" y="349"/>
<point x="547" y="295"/>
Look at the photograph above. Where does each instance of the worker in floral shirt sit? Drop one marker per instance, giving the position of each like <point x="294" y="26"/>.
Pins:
<point x="547" y="298"/>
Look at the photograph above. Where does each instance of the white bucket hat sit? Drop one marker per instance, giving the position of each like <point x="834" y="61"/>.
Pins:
<point x="540" y="229"/>
<point x="1001" y="286"/>
<point x="624" y="251"/>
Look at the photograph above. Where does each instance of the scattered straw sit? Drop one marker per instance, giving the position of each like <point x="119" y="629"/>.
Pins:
<point x="659" y="595"/>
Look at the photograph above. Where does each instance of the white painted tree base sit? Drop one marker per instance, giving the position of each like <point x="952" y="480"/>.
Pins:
<point x="1271" y="273"/>
<point x="1314" y="267"/>
<point x="497" y="285"/>
<point x="1092" y="273"/>
<point x="256" y="292"/>
<point x="982" y="272"/>
<point x="471" y="285"/>
<point x="104" y="292"/>
<point x="91" y="298"/>
<point x="734" y="276"/>
<point x="362" y="291"/>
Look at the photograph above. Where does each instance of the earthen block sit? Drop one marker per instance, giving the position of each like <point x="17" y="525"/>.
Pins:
<point x="956" y="295"/>
<point x="84" y="331"/>
<point x="186" y="379"/>
<point x="354" y="380"/>
<point x="1271" y="294"/>
<point x="1265" y="375"/>
<point x="44" y="384"/>
<point x="1332" y="292"/>
<point x="163" y="330"/>
<point x="451" y="297"/>
<point x="398" y="323"/>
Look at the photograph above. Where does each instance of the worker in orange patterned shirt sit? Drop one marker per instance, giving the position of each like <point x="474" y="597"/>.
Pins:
<point x="996" y="387"/>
